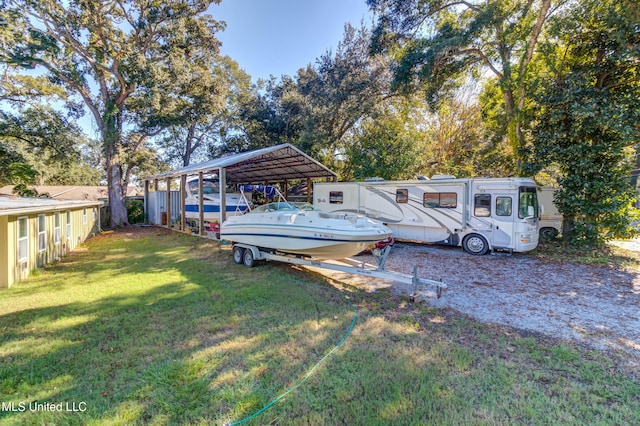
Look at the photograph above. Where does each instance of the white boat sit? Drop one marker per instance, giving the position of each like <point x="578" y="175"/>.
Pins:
<point x="299" y="228"/>
<point x="236" y="203"/>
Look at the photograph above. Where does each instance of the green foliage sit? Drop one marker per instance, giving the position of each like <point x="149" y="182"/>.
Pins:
<point x="135" y="211"/>
<point x="38" y="143"/>
<point x="589" y="107"/>
<point x="192" y="109"/>
<point x="437" y="45"/>
<point x="13" y="169"/>
<point x="383" y="148"/>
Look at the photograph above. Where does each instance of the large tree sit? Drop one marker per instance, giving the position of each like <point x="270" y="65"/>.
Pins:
<point x="271" y="113"/>
<point x="436" y="44"/>
<point x="345" y="87"/>
<point x="192" y="107"/>
<point x="588" y="114"/>
<point x="105" y="51"/>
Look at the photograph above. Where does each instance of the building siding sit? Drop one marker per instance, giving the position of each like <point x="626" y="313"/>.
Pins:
<point x="12" y="270"/>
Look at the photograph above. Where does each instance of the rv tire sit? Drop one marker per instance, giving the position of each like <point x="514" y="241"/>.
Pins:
<point x="238" y="255"/>
<point x="475" y="244"/>
<point x="549" y="233"/>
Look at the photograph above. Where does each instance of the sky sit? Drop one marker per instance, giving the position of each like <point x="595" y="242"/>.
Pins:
<point x="278" y="37"/>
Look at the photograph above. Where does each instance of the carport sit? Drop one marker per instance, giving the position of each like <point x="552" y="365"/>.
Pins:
<point x="273" y="165"/>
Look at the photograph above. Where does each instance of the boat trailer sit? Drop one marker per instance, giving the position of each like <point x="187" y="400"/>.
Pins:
<point x="249" y="255"/>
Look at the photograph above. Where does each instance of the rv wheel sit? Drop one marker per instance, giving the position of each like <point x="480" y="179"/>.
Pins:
<point x="548" y="233"/>
<point x="475" y="244"/>
<point x="249" y="261"/>
<point x="238" y="255"/>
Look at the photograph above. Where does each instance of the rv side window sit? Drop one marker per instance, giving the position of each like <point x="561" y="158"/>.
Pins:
<point x="335" y="197"/>
<point x="448" y="200"/>
<point x="445" y="200"/>
<point x="482" y="205"/>
<point x="503" y="206"/>
<point x="402" y="196"/>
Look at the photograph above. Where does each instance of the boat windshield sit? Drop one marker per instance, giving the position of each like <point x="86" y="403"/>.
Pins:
<point x="283" y="206"/>
<point x="209" y="187"/>
<point x="274" y="207"/>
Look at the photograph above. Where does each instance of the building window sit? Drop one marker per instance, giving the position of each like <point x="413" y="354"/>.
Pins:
<point x="503" y="206"/>
<point x="23" y="239"/>
<point x="482" y="205"/>
<point x="42" y="232"/>
<point x="443" y="200"/>
<point x="84" y="216"/>
<point x="56" y="228"/>
<point x="402" y="196"/>
<point x="336" y="197"/>
<point x="68" y="225"/>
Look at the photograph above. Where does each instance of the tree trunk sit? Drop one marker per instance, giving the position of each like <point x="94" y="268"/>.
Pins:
<point x="117" y="205"/>
<point x="514" y="133"/>
<point x="112" y="136"/>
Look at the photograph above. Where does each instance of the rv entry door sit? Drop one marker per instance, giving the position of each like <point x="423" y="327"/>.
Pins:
<point x="502" y="216"/>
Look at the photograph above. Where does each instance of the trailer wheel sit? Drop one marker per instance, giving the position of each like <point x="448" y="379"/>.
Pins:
<point x="475" y="244"/>
<point x="248" y="259"/>
<point x="238" y="255"/>
<point x="549" y="233"/>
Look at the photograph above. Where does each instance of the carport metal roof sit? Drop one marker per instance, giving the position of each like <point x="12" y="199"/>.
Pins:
<point x="272" y="164"/>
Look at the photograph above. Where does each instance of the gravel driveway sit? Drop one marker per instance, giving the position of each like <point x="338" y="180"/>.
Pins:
<point x="593" y="305"/>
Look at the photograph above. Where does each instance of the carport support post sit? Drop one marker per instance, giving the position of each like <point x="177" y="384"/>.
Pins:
<point x="200" y="205"/>
<point x="309" y="190"/>
<point x="146" y="201"/>
<point x="169" y="202"/>
<point x="183" y="197"/>
<point x="222" y="181"/>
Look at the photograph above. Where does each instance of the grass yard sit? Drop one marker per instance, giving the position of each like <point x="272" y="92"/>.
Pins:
<point x="143" y="326"/>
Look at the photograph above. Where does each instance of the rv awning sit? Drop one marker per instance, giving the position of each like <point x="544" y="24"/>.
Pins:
<point x="272" y="164"/>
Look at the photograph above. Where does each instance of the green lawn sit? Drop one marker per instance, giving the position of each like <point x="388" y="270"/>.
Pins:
<point x="150" y="327"/>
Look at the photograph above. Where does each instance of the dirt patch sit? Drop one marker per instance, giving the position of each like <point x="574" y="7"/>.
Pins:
<point x="589" y="305"/>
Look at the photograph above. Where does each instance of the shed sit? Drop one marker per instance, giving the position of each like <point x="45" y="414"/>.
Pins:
<point x="275" y="164"/>
<point x="37" y="231"/>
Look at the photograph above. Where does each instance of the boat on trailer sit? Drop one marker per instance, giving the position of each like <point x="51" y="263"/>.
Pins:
<point x="301" y="229"/>
<point x="299" y="234"/>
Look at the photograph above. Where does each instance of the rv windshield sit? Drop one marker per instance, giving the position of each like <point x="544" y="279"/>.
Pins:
<point x="528" y="202"/>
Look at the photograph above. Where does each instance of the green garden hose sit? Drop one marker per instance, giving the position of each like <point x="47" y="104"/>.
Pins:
<point x="310" y="372"/>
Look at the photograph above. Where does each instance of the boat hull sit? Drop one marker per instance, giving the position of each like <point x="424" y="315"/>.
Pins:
<point x="211" y="207"/>
<point x="210" y="212"/>
<point x="304" y="235"/>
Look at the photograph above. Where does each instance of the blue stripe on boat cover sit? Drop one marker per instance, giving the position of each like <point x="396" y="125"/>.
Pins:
<point x="211" y="208"/>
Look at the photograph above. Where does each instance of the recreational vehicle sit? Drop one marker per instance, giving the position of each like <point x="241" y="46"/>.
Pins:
<point x="550" y="218"/>
<point x="479" y="214"/>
